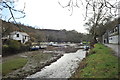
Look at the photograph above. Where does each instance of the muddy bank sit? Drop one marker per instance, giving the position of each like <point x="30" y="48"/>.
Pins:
<point x="67" y="49"/>
<point x="62" y="68"/>
<point x="35" y="63"/>
<point x="31" y="68"/>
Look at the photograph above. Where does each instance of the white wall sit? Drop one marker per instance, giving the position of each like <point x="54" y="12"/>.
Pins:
<point x="119" y="35"/>
<point x="14" y="37"/>
<point x="27" y="38"/>
<point x="113" y="39"/>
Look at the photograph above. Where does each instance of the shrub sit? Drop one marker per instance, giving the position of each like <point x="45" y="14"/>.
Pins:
<point x="12" y="47"/>
<point x="29" y="43"/>
<point x="24" y="48"/>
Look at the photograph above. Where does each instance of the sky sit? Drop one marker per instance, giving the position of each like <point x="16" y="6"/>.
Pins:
<point x="48" y="14"/>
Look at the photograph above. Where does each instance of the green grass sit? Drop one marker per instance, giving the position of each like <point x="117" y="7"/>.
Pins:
<point x="12" y="65"/>
<point x="0" y="68"/>
<point x="101" y="64"/>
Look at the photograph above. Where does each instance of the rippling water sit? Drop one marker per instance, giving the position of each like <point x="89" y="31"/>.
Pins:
<point x="62" y="68"/>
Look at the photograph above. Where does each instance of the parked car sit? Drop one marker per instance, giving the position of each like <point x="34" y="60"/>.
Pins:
<point x="34" y="47"/>
<point x="51" y="43"/>
<point x="81" y="47"/>
<point x="86" y="47"/>
<point x="43" y="46"/>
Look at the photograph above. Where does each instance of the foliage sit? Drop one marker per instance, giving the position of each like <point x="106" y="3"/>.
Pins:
<point x="41" y="35"/>
<point x="101" y="64"/>
<point x="102" y="12"/>
<point x="29" y="43"/>
<point x="0" y="67"/>
<point x="102" y="28"/>
<point x="12" y="47"/>
<point x="12" y="65"/>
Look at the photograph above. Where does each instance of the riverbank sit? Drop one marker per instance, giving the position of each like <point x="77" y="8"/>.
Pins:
<point x="100" y="63"/>
<point x="63" y="67"/>
<point x="36" y="60"/>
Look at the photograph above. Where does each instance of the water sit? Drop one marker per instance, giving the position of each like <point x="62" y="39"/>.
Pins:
<point x="62" y="68"/>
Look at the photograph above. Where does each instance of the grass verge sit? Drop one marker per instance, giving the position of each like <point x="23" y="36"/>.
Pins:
<point x="99" y="64"/>
<point x="36" y="60"/>
<point x="12" y="65"/>
<point x="0" y="68"/>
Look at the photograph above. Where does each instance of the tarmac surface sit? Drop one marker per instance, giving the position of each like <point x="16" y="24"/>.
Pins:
<point x="115" y="48"/>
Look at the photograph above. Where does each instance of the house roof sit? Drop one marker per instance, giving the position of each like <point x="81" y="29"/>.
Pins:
<point x="23" y="33"/>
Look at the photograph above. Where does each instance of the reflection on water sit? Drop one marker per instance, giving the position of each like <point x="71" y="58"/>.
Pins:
<point x="62" y="68"/>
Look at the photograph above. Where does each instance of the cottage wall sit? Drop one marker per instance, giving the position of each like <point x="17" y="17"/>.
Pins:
<point x="22" y="38"/>
<point x="14" y="36"/>
<point x="113" y="36"/>
<point x="119" y="35"/>
<point x="113" y="39"/>
<point x="27" y="38"/>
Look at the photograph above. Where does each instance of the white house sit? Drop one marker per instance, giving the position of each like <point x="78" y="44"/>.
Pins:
<point x="112" y="36"/>
<point x="20" y="36"/>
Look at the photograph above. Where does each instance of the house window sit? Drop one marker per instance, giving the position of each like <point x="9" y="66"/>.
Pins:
<point x="110" y="38"/>
<point x="25" y="37"/>
<point x="116" y="29"/>
<point x="17" y="35"/>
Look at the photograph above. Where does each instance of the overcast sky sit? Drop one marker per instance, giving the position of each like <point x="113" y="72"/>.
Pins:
<point x="48" y="14"/>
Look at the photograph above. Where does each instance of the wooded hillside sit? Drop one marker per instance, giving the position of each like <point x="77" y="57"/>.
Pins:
<point x="38" y="35"/>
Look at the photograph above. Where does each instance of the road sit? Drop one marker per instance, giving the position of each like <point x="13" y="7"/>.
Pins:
<point x="63" y="67"/>
<point x="114" y="48"/>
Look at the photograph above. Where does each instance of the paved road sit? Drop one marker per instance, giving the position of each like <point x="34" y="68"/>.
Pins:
<point x="115" y="48"/>
<point x="62" y="68"/>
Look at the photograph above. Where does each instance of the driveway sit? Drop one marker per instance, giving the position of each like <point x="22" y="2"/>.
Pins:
<point x="114" y="48"/>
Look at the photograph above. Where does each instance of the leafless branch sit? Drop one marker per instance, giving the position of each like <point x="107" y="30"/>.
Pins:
<point x="70" y="5"/>
<point x="11" y="9"/>
<point x="94" y="4"/>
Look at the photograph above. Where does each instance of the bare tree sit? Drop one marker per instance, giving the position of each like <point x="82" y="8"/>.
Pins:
<point x="71" y="4"/>
<point x="92" y="6"/>
<point x="101" y="10"/>
<point x="97" y="11"/>
<point x="9" y="4"/>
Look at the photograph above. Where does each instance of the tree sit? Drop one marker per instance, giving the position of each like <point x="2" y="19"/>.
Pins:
<point x="9" y="4"/>
<point x="97" y="12"/>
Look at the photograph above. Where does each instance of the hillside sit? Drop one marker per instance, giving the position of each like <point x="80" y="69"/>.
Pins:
<point x="38" y="35"/>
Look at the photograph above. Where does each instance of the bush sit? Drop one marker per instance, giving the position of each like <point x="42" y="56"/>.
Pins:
<point x="12" y="47"/>
<point x="29" y="43"/>
<point x="24" y="48"/>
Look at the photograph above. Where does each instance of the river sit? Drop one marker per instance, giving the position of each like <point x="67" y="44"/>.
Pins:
<point x="63" y="67"/>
